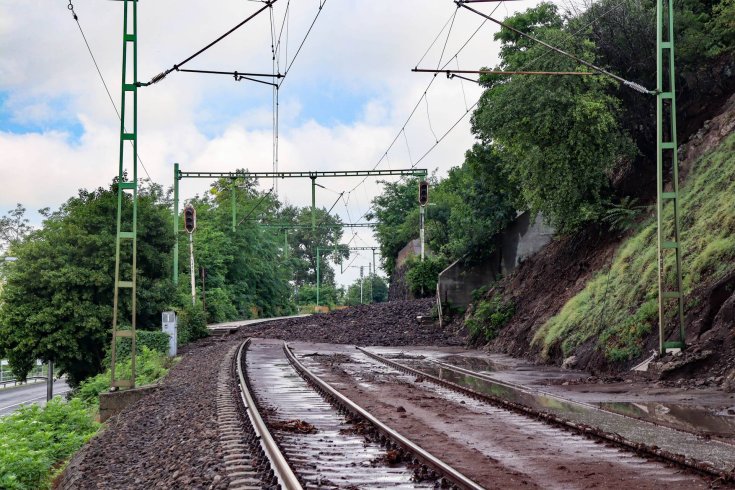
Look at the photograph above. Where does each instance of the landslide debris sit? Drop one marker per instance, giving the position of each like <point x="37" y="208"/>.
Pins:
<point x="393" y="323"/>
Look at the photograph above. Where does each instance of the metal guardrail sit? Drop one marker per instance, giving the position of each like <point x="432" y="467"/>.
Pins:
<point x="279" y="465"/>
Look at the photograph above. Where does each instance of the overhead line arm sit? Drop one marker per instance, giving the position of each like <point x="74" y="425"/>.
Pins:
<point x="635" y="86"/>
<point x="162" y="75"/>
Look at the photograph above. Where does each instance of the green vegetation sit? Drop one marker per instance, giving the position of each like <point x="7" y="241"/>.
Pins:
<point x="488" y="317"/>
<point x="422" y="276"/>
<point x="618" y="307"/>
<point x="36" y="442"/>
<point x="56" y="299"/>
<point x="374" y="290"/>
<point x="150" y="366"/>
<point x="33" y="441"/>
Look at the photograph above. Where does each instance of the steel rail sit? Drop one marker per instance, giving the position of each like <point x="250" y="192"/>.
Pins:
<point x="279" y="465"/>
<point x="421" y="454"/>
<point x="585" y="430"/>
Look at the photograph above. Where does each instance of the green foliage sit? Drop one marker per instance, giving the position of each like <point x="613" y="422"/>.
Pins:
<point x="328" y="295"/>
<point x="192" y="323"/>
<point x="488" y="317"/>
<point x="57" y="300"/>
<point x="150" y="366"/>
<point x="396" y="211"/>
<point x="33" y="440"/>
<point x="422" y="276"/>
<point x="558" y="137"/>
<point x="374" y="290"/>
<point x="617" y="307"/>
<point x="155" y="341"/>
<point x="623" y="216"/>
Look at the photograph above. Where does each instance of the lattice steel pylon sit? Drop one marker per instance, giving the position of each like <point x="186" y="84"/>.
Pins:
<point x="127" y="237"/>
<point x="667" y="163"/>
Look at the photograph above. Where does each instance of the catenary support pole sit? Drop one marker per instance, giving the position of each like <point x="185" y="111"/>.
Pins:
<point x="192" y="273"/>
<point x="233" y="191"/>
<point x="667" y="165"/>
<point x="318" y="279"/>
<point x="361" y="281"/>
<point x="50" y="381"/>
<point x="175" y="273"/>
<point x="422" y="211"/>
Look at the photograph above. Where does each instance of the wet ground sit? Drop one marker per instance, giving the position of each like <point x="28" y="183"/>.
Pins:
<point x="496" y="448"/>
<point x="705" y="412"/>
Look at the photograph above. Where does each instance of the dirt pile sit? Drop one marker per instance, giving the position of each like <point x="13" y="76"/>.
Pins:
<point x="393" y="323"/>
<point x="398" y="287"/>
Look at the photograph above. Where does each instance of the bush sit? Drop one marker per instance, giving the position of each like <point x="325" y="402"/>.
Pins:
<point x="488" y="318"/>
<point x="422" y="276"/>
<point x="150" y="366"/>
<point x="33" y="440"/>
<point x="155" y="341"/>
<point x="192" y="324"/>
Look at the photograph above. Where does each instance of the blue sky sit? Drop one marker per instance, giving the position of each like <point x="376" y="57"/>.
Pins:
<point x="345" y="99"/>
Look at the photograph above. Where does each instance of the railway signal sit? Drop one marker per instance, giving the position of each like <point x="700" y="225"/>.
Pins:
<point x="190" y="219"/>
<point x="423" y="193"/>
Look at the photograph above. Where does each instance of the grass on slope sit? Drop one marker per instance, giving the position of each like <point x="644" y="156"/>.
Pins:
<point x="618" y="308"/>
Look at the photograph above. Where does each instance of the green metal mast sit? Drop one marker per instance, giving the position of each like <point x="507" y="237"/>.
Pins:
<point x="127" y="237"/>
<point x="667" y="164"/>
<point x="176" y="226"/>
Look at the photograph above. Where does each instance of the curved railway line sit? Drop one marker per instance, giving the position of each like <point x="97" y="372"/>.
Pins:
<point x="293" y="422"/>
<point x="302" y="433"/>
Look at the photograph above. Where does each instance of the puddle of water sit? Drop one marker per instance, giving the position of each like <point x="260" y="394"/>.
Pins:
<point x="719" y="454"/>
<point x="684" y="417"/>
<point x="472" y="363"/>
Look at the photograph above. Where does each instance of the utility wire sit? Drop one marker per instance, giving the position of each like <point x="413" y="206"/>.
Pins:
<point x="176" y="67"/>
<point x="104" y="84"/>
<point x="288" y="68"/>
<point x="635" y="86"/>
<point x="257" y="205"/>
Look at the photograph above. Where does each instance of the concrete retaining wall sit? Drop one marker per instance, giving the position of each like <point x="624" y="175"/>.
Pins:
<point x="112" y="403"/>
<point x="521" y="239"/>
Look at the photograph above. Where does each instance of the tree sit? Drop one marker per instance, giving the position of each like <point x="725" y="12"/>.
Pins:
<point x="57" y="301"/>
<point x="303" y="243"/>
<point x="559" y="137"/>
<point x="374" y="290"/>
<point x="13" y="227"/>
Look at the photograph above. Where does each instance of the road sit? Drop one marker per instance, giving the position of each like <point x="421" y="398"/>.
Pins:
<point x="12" y="398"/>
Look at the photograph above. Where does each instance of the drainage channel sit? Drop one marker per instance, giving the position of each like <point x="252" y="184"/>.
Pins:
<point x="581" y="418"/>
<point x="325" y="446"/>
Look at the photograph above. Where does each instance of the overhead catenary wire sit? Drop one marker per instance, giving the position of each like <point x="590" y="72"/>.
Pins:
<point x="303" y="41"/>
<point x="635" y="86"/>
<point x="177" y="66"/>
<point x="257" y="205"/>
<point x="70" y="7"/>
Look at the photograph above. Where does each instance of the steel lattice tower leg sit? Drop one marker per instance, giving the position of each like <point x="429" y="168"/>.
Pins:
<point x="127" y="238"/>
<point x="667" y="164"/>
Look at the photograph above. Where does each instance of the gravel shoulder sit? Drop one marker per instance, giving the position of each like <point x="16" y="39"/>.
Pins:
<point x="168" y="439"/>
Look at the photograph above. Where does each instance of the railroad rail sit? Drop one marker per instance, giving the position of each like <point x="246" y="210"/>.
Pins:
<point x="551" y="418"/>
<point x="345" y="446"/>
<point x="431" y="465"/>
<point x="281" y="470"/>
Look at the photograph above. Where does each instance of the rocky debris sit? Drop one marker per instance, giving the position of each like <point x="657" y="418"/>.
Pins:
<point x="678" y="364"/>
<point x="569" y="362"/>
<point x="394" y="323"/>
<point x="296" y="426"/>
<point x="168" y="439"/>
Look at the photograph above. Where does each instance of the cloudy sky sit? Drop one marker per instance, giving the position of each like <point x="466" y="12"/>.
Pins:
<point x="347" y="96"/>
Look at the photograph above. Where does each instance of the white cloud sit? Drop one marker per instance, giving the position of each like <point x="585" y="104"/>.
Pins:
<point x="207" y="122"/>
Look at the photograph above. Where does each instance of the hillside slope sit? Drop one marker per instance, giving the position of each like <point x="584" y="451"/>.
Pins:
<point x="594" y="295"/>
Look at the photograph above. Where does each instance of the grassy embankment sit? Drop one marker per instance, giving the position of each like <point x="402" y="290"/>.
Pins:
<point x="618" y="307"/>
<point x="36" y="443"/>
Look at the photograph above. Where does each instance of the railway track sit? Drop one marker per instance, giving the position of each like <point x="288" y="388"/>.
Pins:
<point x="305" y="434"/>
<point x="547" y="417"/>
